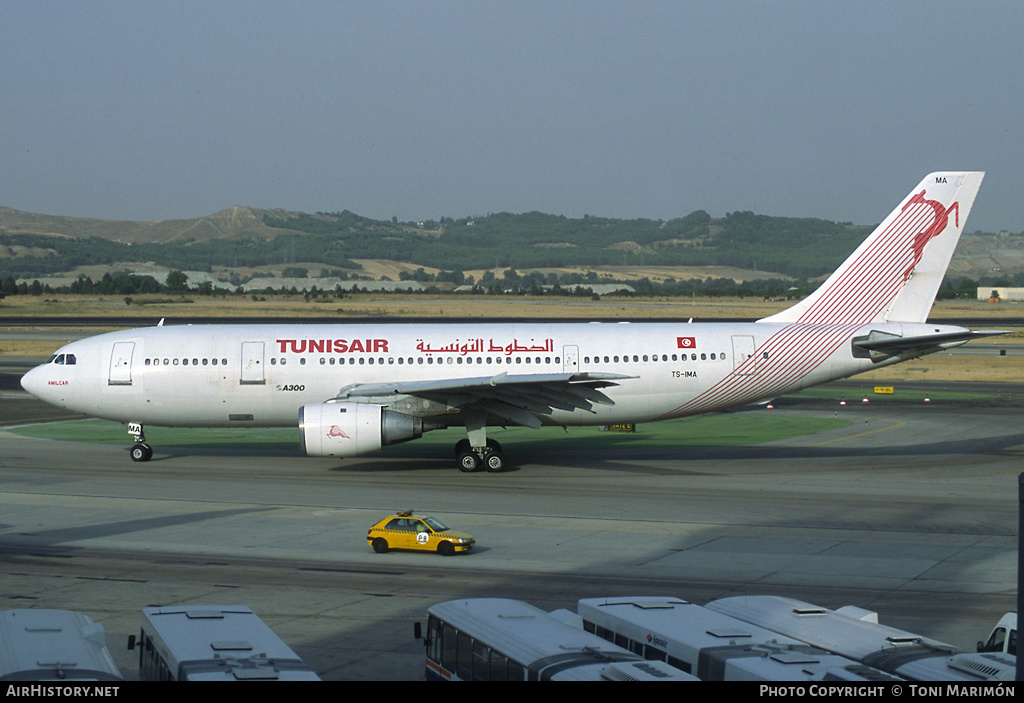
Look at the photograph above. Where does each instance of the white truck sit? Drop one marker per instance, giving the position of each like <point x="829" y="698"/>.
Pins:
<point x="1003" y="637"/>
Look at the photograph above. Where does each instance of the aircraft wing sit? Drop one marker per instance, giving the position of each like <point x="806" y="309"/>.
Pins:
<point x="882" y="344"/>
<point x="519" y="398"/>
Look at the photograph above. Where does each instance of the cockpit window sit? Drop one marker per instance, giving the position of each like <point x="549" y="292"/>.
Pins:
<point x="51" y="359"/>
<point x="63" y="359"/>
<point x="70" y="360"/>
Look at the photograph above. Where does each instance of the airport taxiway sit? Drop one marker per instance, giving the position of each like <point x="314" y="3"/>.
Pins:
<point x="910" y="511"/>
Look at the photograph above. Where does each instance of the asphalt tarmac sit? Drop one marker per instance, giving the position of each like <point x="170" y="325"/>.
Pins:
<point x="911" y="511"/>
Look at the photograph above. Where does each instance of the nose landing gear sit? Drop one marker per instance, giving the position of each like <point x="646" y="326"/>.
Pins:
<point x="140" y="451"/>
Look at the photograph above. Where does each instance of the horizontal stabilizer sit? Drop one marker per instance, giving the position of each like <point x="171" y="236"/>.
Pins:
<point x="882" y="344"/>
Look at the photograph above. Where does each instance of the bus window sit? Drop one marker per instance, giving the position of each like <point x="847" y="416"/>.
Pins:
<point x="496" y="667"/>
<point x="448" y="648"/>
<point x="434" y="639"/>
<point x="655" y="654"/>
<point x="464" y="661"/>
<point x="515" y="671"/>
<point x="481" y="661"/>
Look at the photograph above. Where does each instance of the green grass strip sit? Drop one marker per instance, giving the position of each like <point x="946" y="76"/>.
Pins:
<point x="754" y="427"/>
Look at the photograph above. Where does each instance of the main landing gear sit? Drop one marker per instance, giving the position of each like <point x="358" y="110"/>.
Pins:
<point x="470" y="458"/>
<point x="478" y="452"/>
<point x="140" y="451"/>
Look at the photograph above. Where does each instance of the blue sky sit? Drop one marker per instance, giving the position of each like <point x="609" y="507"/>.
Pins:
<point x="420" y="110"/>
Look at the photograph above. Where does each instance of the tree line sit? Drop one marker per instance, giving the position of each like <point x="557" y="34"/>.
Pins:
<point x="798" y="248"/>
<point x="511" y="282"/>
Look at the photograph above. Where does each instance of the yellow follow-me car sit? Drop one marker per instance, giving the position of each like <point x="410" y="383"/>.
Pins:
<point x="407" y="531"/>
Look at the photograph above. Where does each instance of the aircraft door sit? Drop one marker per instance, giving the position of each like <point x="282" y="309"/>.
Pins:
<point x="252" y="364"/>
<point x="121" y="364"/>
<point x="744" y="363"/>
<point x="570" y="358"/>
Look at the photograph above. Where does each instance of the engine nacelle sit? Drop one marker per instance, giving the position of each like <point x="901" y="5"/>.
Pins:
<point x="353" y="429"/>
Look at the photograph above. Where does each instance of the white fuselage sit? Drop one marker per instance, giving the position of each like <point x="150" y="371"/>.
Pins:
<point x="260" y="375"/>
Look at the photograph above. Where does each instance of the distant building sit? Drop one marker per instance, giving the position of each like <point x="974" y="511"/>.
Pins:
<point x="198" y="278"/>
<point x="1005" y="294"/>
<point x="598" y="288"/>
<point x="595" y="288"/>
<point x="304" y="284"/>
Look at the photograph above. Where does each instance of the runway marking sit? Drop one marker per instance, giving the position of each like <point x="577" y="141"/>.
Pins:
<point x="897" y="425"/>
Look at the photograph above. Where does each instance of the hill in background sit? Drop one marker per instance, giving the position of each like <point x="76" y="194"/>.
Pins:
<point x="246" y="241"/>
<point x="236" y="222"/>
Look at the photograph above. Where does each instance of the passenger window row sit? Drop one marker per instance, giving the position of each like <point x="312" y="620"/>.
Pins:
<point x="636" y="358"/>
<point x="381" y="361"/>
<point x="187" y="362"/>
<point x="429" y="360"/>
<point x="481" y="360"/>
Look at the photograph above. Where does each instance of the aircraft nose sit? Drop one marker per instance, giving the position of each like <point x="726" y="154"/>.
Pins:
<point x="33" y="381"/>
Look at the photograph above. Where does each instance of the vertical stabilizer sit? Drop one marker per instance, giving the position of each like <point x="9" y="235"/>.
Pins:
<point x="894" y="274"/>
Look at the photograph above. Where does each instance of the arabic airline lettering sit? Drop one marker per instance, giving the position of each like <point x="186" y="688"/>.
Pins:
<point x="353" y="389"/>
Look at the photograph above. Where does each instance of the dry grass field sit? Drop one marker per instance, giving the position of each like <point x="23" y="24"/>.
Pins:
<point x="978" y="368"/>
<point x="937" y="367"/>
<point x="439" y="306"/>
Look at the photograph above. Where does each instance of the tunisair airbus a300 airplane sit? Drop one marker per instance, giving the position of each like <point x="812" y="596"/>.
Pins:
<point x="352" y="389"/>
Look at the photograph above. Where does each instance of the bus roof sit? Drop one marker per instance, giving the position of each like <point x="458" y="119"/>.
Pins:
<point x="50" y="644"/>
<point x="221" y="642"/>
<point x="855" y="633"/>
<point x="716" y="646"/>
<point x="852" y="632"/>
<point x="524" y="632"/>
<point x="684" y="627"/>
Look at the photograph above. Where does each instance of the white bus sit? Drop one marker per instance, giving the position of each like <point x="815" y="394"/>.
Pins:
<point x="213" y="643"/>
<point x="856" y="634"/>
<point x="712" y="646"/>
<point x="496" y="639"/>
<point x="53" y="645"/>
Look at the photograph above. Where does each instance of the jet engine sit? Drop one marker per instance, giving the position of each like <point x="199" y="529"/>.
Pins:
<point x="353" y="429"/>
